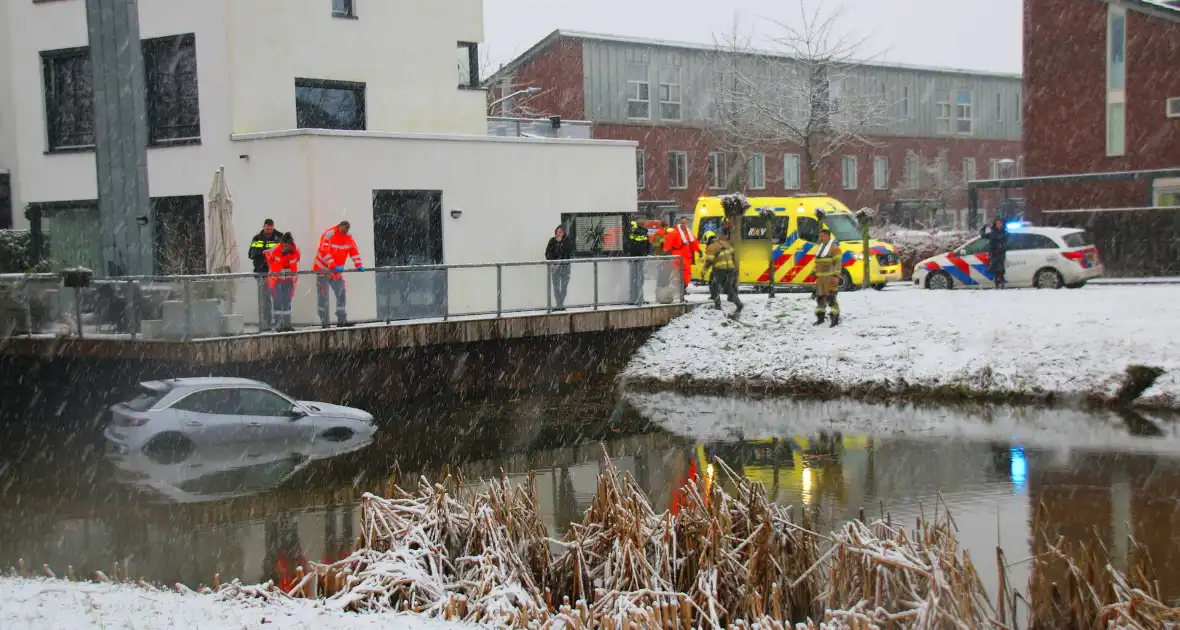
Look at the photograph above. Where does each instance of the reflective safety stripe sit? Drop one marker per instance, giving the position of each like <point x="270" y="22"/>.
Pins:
<point x="334" y="246"/>
<point x="278" y="312"/>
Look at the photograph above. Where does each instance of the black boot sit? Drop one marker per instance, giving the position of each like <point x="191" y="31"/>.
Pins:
<point x="717" y="305"/>
<point x="819" y="319"/>
<point x="343" y="323"/>
<point x="835" y="319"/>
<point x="324" y="324"/>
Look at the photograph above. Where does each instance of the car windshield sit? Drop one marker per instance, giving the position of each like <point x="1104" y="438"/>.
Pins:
<point x="843" y="227"/>
<point x="1078" y="239"/>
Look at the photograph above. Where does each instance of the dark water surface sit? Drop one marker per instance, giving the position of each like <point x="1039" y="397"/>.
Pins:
<point x="64" y="502"/>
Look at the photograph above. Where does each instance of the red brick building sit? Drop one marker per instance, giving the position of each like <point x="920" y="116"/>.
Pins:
<point x="949" y="124"/>
<point x="1102" y="94"/>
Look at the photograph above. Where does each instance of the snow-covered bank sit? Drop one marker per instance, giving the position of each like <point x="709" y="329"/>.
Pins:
<point x="721" y="419"/>
<point x="1019" y="344"/>
<point x="61" y="605"/>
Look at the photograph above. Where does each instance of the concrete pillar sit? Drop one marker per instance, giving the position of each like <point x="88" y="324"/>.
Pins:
<point x="1120" y="515"/>
<point x="120" y="137"/>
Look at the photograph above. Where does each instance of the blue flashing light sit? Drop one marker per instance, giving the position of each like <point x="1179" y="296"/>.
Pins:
<point x="1015" y="225"/>
<point x="1018" y="468"/>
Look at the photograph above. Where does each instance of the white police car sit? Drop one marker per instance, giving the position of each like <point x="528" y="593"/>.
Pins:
<point x="1041" y="257"/>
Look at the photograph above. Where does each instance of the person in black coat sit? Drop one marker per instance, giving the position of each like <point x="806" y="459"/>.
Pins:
<point x="262" y="243"/>
<point x="636" y="246"/>
<point x="560" y="248"/>
<point x="997" y="250"/>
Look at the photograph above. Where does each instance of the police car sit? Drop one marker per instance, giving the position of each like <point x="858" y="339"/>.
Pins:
<point x="1041" y="257"/>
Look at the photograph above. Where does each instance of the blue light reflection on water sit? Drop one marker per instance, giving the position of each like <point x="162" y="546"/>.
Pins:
<point x="1018" y="469"/>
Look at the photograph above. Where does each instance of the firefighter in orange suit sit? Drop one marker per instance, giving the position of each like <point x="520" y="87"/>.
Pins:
<point x="283" y="262"/>
<point x="336" y="247"/>
<point x="683" y="243"/>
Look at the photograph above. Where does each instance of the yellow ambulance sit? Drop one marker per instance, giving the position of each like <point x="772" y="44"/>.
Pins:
<point x="795" y="231"/>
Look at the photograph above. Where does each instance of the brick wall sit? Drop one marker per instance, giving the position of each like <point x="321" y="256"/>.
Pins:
<point x="558" y="70"/>
<point x="657" y="142"/>
<point x="1065" y="101"/>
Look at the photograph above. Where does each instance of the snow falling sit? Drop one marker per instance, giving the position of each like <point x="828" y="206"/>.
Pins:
<point x="812" y="315"/>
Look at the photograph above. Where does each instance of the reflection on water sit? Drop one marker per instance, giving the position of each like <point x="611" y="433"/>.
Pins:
<point x="283" y="507"/>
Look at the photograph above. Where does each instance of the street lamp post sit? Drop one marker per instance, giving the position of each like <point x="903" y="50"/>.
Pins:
<point x="531" y="90"/>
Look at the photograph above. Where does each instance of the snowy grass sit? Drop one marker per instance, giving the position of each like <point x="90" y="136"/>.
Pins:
<point x="42" y="604"/>
<point x="1016" y="345"/>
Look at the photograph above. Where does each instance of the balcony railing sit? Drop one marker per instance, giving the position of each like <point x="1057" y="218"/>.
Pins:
<point x="210" y="306"/>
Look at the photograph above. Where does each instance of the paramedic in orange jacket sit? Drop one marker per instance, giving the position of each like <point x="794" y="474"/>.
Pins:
<point x="336" y="246"/>
<point x="283" y="262"/>
<point x="683" y="243"/>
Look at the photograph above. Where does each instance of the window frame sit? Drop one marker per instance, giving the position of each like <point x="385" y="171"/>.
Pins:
<point x="718" y="169"/>
<point x="1172" y="107"/>
<point x="677" y="87"/>
<point x="640" y="169"/>
<point x="48" y="72"/>
<point x="880" y="172"/>
<point x="331" y="84"/>
<point x="797" y="177"/>
<point x="635" y="90"/>
<point x="176" y="404"/>
<point x="944" y="112"/>
<point x="756" y="165"/>
<point x="964" y="112"/>
<point x="1164" y="186"/>
<point x="974" y="170"/>
<point x="905" y="102"/>
<point x="348" y="12"/>
<point x="993" y="169"/>
<point x="999" y="108"/>
<point x="912" y="171"/>
<point x="845" y="160"/>
<point x="153" y="97"/>
<point x="472" y="79"/>
<point x="683" y="156"/>
<point x="1116" y="96"/>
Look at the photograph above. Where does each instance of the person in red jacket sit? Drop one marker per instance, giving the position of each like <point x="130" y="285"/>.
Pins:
<point x="336" y="246"/>
<point x="683" y="243"/>
<point x="283" y="262"/>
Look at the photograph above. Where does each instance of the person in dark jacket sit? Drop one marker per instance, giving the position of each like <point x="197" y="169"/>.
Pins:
<point x="560" y="248"/>
<point x="262" y="243"/>
<point x="997" y="250"/>
<point x="637" y="246"/>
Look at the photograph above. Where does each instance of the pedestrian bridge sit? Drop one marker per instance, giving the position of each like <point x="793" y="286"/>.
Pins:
<point x="219" y="319"/>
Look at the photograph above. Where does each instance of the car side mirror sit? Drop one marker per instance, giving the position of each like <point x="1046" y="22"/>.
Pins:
<point x="961" y="252"/>
<point x="296" y="414"/>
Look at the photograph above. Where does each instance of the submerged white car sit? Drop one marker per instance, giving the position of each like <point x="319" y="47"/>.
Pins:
<point x="1041" y="257"/>
<point x="171" y="418"/>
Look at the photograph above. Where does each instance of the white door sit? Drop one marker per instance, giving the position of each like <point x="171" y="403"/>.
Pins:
<point x="1027" y="254"/>
<point x="208" y="417"/>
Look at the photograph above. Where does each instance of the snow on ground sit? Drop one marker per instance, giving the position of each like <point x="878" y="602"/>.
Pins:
<point x="721" y="419"/>
<point x="1067" y="342"/>
<point x="61" y="605"/>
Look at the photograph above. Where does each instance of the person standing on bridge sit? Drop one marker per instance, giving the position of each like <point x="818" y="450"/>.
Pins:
<point x="637" y="246"/>
<point x="284" y="263"/>
<point x="336" y="246"/>
<point x="263" y="242"/>
<point x="560" y="248"/>
<point x="683" y="243"/>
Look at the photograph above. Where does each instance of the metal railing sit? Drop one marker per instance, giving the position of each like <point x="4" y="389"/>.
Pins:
<point x="226" y="305"/>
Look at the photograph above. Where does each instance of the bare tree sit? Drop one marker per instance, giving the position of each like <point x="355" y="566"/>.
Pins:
<point x="811" y="90"/>
<point x="928" y="190"/>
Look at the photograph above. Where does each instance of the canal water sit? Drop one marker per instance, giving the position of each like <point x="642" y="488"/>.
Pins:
<point x="1016" y="483"/>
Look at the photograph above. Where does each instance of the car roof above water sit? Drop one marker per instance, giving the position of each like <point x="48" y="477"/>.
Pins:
<point x="205" y="381"/>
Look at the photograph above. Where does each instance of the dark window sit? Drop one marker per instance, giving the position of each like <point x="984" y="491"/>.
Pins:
<point x="1078" y="239"/>
<point x="214" y="401"/>
<point x="754" y="228"/>
<point x="329" y="104"/>
<point x="5" y="202"/>
<point x="595" y="235"/>
<point x="978" y="246"/>
<point x="144" y="401"/>
<point x="173" y="105"/>
<point x="467" y="57"/>
<point x="344" y="8"/>
<point x="69" y="99"/>
<point x="1021" y="241"/>
<point x="180" y="235"/>
<point x="259" y="402"/>
<point x="808" y="229"/>
<point x="710" y="224"/>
